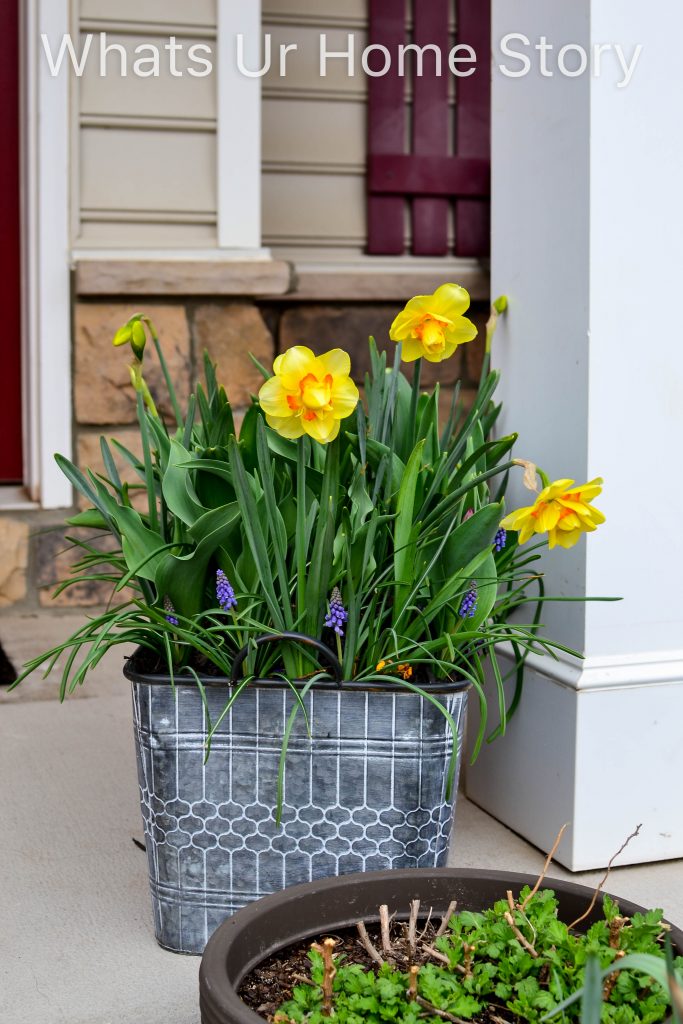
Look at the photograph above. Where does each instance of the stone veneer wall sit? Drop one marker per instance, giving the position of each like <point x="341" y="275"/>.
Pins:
<point x="34" y="554"/>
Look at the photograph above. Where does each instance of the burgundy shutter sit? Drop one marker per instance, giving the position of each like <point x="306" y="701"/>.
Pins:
<point x="421" y="175"/>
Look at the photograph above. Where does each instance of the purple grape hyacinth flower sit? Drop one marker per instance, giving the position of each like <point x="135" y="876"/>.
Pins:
<point x="170" y="612"/>
<point x="500" y="540"/>
<point x="337" y="615"/>
<point x="469" y="602"/>
<point x="225" y="595"/>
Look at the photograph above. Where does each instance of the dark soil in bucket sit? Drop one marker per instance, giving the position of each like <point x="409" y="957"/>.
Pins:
<point x="146" y="662"/>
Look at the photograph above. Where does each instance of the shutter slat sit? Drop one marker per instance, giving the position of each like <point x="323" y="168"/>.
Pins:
<point x="386" y="126"/>
<point x="430" y="126"/>
<point x="473" y="125"/>
<point x="397" y="174"/>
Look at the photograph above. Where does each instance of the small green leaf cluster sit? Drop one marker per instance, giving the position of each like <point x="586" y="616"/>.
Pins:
<point x="490" y="967"/>
<point x="360" y="995"/>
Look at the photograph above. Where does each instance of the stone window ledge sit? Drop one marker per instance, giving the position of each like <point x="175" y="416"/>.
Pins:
<point x="94" y="277"/>
<point x="380" y="279"/>
<point x="369" y="279"/>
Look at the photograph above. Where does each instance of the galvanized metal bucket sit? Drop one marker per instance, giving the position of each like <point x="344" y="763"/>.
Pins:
<point x="365" y="791"/>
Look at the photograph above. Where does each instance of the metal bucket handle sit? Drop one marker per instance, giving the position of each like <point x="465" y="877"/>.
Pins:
<point x="301" y="638"/>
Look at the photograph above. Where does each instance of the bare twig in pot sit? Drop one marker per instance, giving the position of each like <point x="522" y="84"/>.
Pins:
<point x="518" y="935"/>
<point x="424" y="930"/>
<point x="439" y="1013"/>
<point x="384" y="927"/>
<point x="329" y="972"/>
<point x="452" y="907"/>
<point x="367" y="943"/>
<point x="441" y="957"/>
<point x="615" y="928"/>
<point x="634" y="834"/>
<point x="612" y="978"/>
<point x="548" y="859"/>
<point x="412" y="927"/>
<point x="412" y="984"/>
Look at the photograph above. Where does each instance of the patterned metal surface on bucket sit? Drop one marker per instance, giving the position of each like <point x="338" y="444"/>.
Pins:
<point x="366" y="792"/>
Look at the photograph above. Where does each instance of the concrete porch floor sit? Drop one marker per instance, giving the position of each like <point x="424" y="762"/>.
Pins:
<point x="76" y="939"/>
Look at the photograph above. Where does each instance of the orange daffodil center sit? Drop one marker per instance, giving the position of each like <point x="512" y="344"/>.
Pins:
<point x="309" y="394"/>
<point x="562" y="511"/>
<point x="432" y="326"/>
<point x="314" y="396"/>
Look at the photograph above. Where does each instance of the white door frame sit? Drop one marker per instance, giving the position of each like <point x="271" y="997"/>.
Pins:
<point x="46" y="298"/>
<point x="47" y="256"/>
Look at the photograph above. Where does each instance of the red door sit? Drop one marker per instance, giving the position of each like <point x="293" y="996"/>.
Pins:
<point x="10" y="301"/>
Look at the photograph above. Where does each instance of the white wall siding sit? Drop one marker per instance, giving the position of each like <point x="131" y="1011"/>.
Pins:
<point x="174" y="12"/>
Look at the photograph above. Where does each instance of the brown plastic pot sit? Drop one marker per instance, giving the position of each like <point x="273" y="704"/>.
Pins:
<point x="317" y="908"/>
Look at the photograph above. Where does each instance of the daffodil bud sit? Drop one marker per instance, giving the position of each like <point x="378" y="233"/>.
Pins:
<point x="498" y="307"/>
<point x="123" y="335"/>
<point x="132" y="332"/>
<point x="138" y="339"/>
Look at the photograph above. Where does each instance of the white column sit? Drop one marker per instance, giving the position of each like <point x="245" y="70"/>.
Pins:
<point x="587" y="228"/>
<point x="239" y="127"/>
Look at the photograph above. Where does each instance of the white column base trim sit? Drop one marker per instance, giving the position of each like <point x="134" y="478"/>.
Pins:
<point x="601" y="749"/>
<point x="599" y="673"/>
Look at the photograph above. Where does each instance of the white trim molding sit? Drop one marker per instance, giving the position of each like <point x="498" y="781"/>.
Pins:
<point x="239" y="127"/>
<point x="603" y="673"/>
<point x="46" y="329"/>
<point x="594" y="751"/>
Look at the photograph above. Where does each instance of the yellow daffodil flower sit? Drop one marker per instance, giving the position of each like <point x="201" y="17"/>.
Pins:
<point x="309" y="394"/>
<point x="433" y="325"/>
<point x="562" y="511"/>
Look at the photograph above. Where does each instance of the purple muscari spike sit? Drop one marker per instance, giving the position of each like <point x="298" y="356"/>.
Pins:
<point x="337" y="615"/>
<point x="224" y="592"/>
<point x="170" y="610"/>
<point x="500" y="540"/>
<point x="469" y="602"/>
